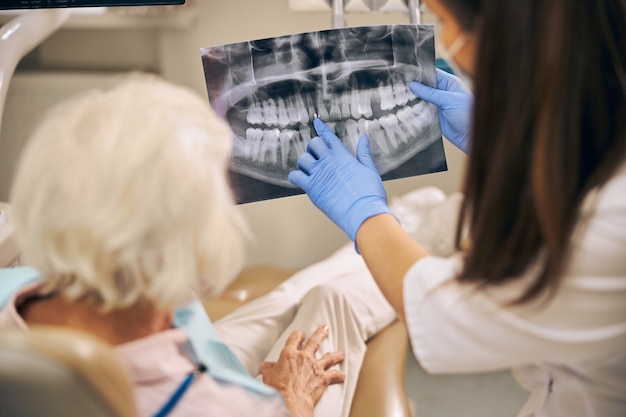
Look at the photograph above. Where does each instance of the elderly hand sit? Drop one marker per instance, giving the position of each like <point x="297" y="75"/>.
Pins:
<point x="299" y="376"/>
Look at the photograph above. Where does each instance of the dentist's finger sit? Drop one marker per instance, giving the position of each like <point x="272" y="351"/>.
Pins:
<point x="450" y="82"/>
<point x="317" y="147"/>
<point x="306" y="162"/>
<point x="299" y="179"/>
<point x="326" y="133"/>
<point x="429" y="94"/>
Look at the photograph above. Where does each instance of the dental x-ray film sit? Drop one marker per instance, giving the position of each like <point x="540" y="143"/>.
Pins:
<point x="354" y="79"/>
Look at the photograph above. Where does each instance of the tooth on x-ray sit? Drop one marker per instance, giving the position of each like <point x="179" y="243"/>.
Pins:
<point x="354" y="79"/>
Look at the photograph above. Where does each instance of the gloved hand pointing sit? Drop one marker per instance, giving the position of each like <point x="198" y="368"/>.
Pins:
<point x="455" y="103"/>
<point x="347" y="189"/>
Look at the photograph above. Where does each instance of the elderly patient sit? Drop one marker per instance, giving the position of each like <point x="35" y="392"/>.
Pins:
<point x="123" y="208"/>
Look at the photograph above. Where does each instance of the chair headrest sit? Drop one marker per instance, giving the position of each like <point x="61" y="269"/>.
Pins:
<point x="55" y="371"/>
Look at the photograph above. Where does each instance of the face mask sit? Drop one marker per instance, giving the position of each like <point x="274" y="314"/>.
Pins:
<point x="448" y="54"/>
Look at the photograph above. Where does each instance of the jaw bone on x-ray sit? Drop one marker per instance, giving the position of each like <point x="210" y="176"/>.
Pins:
<point x="354" y="79"/>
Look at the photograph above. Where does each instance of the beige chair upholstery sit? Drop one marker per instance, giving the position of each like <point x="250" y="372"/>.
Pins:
<point x="57" y="372"/>
<point x="380" y="389"/>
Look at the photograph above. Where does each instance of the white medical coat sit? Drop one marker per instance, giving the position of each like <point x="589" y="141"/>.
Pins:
<point x="570" y="351"/>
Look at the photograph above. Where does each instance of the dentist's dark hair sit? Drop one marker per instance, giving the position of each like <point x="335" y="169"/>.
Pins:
<point x="466" y="12"/>
<point x="549" y="126"/>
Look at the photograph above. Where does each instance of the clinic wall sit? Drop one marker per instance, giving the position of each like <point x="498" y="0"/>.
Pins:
<point x="287" y="232"/>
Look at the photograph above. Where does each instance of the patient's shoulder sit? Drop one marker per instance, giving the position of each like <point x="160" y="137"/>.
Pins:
<point x="157" y="367"/>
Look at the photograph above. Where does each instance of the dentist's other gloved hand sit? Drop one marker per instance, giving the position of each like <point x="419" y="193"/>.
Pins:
<point x="347" y="189"/>
<point x="456" y="103"/>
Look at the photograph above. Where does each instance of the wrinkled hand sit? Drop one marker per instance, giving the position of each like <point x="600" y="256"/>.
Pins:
<point x="299" y="376"/>
<point x="347" y="189"/>
<point x="455" y="103"/>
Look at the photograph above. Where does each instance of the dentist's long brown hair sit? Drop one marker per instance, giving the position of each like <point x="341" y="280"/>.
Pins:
<point x="549" y="125"/>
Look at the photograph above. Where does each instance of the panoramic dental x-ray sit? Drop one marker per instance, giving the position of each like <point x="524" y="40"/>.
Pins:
<point x="354" y="79"/>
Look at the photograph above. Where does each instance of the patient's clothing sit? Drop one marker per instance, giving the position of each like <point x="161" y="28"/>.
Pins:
<point x="210" y="353"/>
<point x="158" y="364"/>
<point x="569" y="352"/>
<point x="339" y="292"/>
<point x="157" y="367"/>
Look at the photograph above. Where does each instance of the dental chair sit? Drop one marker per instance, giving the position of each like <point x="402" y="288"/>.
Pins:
<point x="59" y="372"/>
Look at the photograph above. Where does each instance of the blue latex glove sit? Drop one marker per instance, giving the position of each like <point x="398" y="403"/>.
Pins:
<point x="455" y="103"/>
<point x="347" y="189"/>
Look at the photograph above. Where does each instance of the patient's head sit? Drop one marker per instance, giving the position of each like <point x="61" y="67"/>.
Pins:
<point x="121" y="196"/>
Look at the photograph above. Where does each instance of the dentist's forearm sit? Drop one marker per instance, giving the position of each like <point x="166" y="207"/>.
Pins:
<point x="389" y="253"/>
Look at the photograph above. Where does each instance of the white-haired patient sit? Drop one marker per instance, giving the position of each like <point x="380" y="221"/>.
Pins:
<point x="123" y="208"/>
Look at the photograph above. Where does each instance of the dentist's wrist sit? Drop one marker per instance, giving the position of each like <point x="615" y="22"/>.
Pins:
<point x="361" y="210"/>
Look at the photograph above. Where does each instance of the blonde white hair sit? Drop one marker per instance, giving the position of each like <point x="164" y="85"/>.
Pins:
<point x="121" y="195"/>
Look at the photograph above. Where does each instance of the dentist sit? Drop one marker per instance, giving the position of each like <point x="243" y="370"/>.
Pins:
<point x="538" y="284"/>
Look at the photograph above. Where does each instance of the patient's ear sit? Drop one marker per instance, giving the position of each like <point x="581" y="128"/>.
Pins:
<point x="167" y="321"/>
